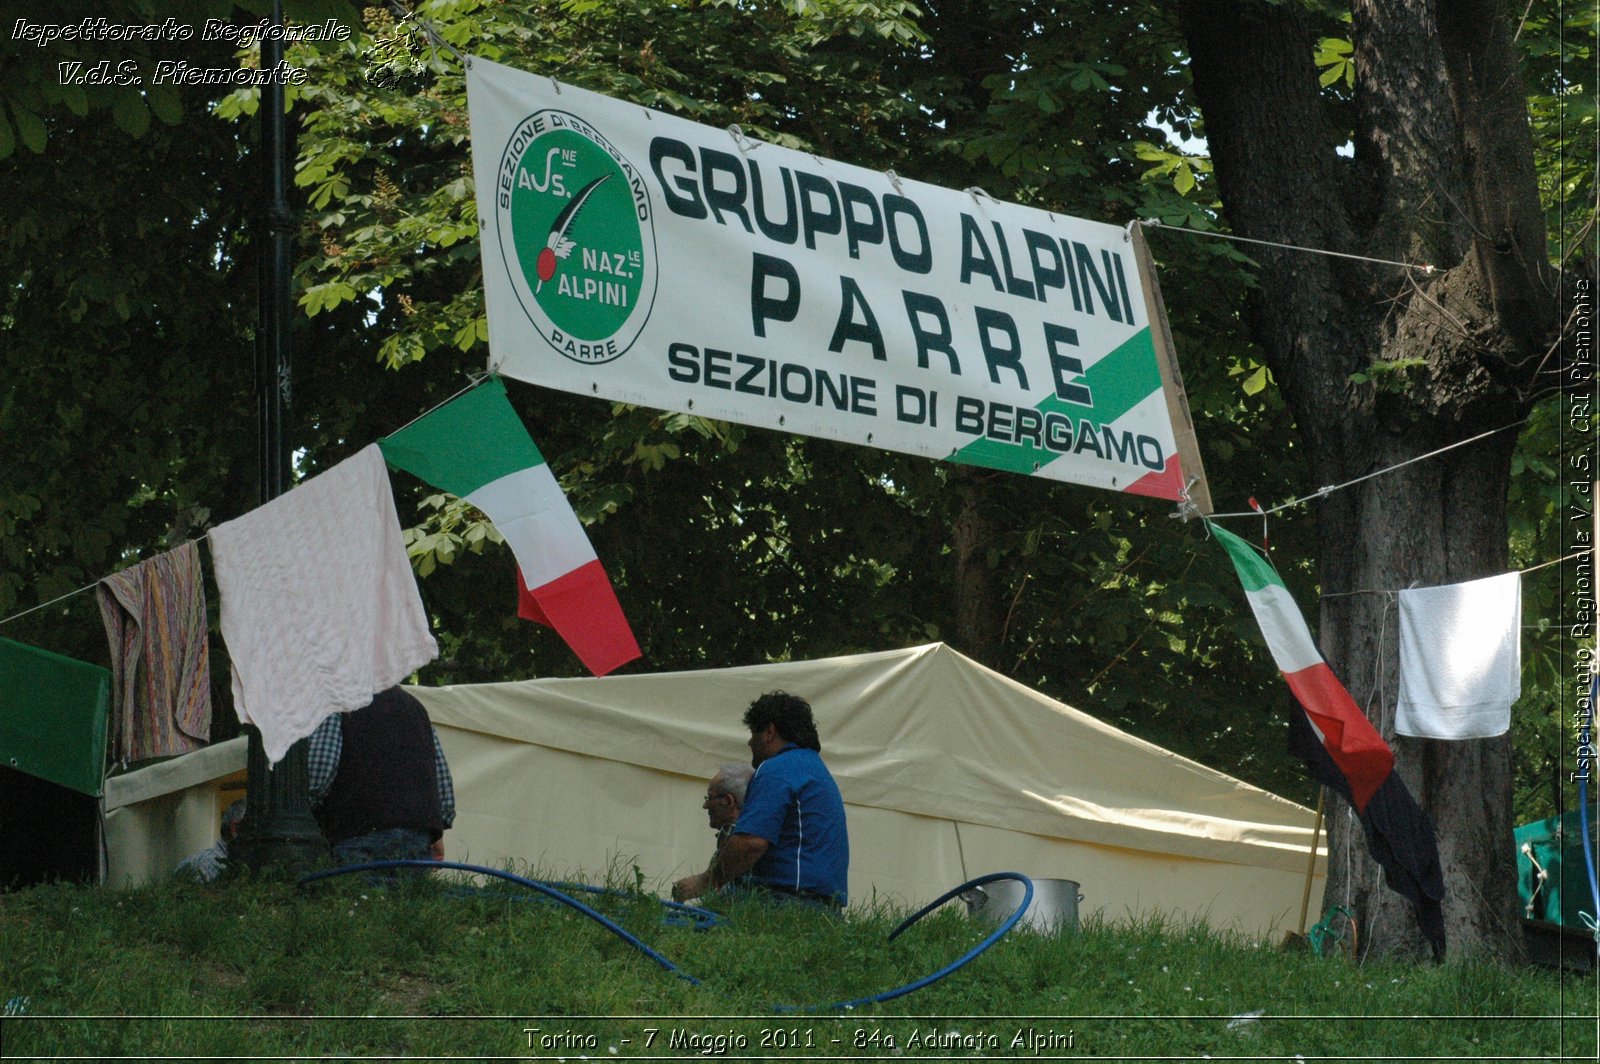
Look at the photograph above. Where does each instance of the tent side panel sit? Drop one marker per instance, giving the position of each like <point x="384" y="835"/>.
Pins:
<point x="901" y="859"/>
<point x="146" y="840"/>
<point x="555" y="814"/>
<point x="157" y="815"/>
<point x="1121" y="885"/>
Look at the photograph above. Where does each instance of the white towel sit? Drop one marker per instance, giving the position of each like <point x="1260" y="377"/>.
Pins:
<point x="1460" y="658"/>
<point x="320" y="610"/>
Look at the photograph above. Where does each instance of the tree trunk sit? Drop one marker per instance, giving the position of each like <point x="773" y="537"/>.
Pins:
<point x="1434" y="522"/>
<point x="1442" y="174"/>
<point x="977" y="609"/>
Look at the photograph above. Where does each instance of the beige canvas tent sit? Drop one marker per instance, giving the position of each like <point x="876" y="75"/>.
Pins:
<point x="158" y="815"/>
<point x="948" y="771"/>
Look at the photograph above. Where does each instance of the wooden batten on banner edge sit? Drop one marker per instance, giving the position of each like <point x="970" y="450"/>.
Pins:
<point x="1171" y="376"/>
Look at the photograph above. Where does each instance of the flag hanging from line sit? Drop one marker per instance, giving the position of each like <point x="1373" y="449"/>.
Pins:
<point x="1342" y="749"/>
<point x="1400" y="835"/>
<point x="1352" y="742"/>
<point x="476" y="447"/>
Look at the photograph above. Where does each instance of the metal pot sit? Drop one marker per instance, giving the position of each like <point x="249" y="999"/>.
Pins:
<point x="1054" y="907"/>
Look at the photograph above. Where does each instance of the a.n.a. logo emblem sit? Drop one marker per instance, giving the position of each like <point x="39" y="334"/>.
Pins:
<point x="575" y="230"/>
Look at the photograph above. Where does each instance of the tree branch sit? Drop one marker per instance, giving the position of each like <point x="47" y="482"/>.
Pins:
<point x="1491" y="109"/>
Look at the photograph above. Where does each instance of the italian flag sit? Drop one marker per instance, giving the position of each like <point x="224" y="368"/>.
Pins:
<point x="1352" y="742"/>
<point x="476" y="447"/>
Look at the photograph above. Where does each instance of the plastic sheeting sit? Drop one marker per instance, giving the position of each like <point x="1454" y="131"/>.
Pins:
<point x="53" y="712"/>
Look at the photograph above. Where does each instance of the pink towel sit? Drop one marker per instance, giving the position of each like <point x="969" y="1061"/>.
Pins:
<point x="320" y="610"/>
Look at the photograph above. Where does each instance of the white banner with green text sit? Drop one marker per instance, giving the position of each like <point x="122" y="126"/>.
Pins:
<point x="638" y="257"/>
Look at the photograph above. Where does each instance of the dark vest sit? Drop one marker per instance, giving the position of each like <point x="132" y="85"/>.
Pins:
<point x="386" y="776"/>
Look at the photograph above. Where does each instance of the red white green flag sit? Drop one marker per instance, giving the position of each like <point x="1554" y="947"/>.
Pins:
<point x="476" y="447"/>
<point x="1351" y="741"/>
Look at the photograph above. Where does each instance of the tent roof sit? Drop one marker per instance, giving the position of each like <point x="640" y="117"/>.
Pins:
<point x="924" y="731"/>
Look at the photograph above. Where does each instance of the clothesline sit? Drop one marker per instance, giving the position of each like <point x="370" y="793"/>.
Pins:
<point x="1152" y="223"/>
<point x="1329" y="594"/>
<point x="52" y="602"/>
<point x="1520" y="572"/>
<point x="478" y="378"/>
<point x="1329" y="489"/>
<point x="474" y="380"/>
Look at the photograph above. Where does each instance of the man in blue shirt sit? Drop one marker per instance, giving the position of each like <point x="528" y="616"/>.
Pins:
<point x="790" y="838"/>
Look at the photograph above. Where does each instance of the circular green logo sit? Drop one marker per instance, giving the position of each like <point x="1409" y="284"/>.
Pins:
<point x="576" y="234"/>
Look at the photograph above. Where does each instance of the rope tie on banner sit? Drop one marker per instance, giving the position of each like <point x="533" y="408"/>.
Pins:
<point x="1187" y="509"/>
<point x="974" y="191"/>
<point x="894" y="180"/>
<point x="740" y="141"/>
<point x="1152" y="223"/>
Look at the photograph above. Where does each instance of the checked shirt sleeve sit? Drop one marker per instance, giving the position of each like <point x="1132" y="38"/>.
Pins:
<point x="447" y="790"/>
<point x="323" y="750"/>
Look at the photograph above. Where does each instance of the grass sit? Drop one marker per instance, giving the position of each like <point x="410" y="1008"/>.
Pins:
<point x="342" y="969"/>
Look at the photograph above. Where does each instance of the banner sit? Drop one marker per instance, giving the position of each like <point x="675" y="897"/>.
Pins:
<point x="635" y="256"/>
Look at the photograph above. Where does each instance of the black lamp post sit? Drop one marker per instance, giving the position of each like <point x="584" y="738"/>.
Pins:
<point x="278" y="829"/>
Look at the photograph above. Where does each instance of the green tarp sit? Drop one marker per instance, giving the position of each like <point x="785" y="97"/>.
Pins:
<point x="1562" y="894"/>
<point x="53" y="712"/>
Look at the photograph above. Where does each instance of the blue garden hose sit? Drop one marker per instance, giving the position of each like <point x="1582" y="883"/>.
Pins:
<point x="694" y="919"/>
<point x="929" y="980"/>
<point x="701" y="915"/>
<point x="544" y="889"/>
<point x="678" y="914"/>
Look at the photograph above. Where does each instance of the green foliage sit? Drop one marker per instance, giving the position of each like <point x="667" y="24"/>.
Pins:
<point x="127" y="322"/>
<point x="1335" y="55"/>
<point x="453" y="526"/>
<point x="1388" y="374"/>
<point x="1559" y="46"/>
<point x="102" y="347"/>
<point x="346" y="968"/>
<point x="1549" y="458"/>
<point x="1178" y="167"/>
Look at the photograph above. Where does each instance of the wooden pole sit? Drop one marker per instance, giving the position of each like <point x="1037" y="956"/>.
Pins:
<point x="1311" y="864"/>
<point x="1171" y="376"/>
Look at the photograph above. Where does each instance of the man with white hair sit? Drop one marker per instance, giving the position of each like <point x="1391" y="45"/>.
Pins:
<point x="724" y="799"/>
<point x="723" y="803"/>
